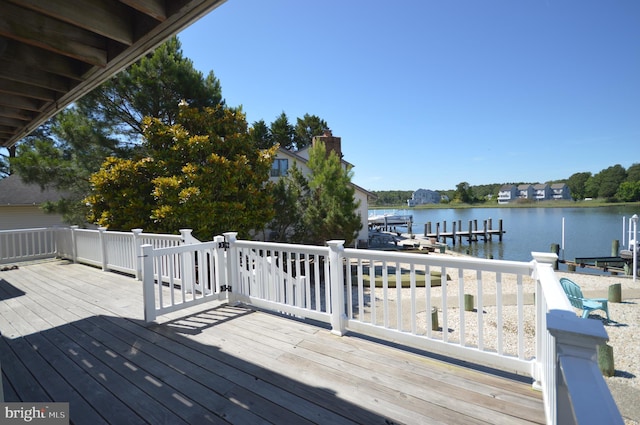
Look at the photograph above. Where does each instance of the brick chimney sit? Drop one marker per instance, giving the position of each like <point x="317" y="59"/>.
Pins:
<point x="331" y="143"/>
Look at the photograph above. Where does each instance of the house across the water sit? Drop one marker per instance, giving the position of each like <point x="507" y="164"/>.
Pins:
<point x="537" y="192"/>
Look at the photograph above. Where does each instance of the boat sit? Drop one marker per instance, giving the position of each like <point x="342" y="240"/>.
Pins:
<point x="390" y="219"/>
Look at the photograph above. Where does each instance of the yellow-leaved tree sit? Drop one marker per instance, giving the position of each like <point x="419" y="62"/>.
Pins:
<point x="202" y="173"/>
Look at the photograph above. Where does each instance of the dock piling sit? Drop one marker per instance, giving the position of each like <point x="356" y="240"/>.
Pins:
<point x="471" y="233"/>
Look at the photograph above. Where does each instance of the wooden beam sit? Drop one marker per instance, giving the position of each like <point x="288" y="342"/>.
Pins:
<point x="44" y="60"/>
<point x="154" y="8"/>
<point x="7" y="130"/>
<point x="21" y="102"/>
<point x="107" y="18"/>
<point x="23" y="74"/>
<point x="51" y="34"/>
<point x="26" y="90"/>
<point x="15" y="113"/>
<point x="10" y="122"/>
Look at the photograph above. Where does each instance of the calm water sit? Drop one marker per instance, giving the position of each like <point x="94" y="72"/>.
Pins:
<point x="588" y="232"/>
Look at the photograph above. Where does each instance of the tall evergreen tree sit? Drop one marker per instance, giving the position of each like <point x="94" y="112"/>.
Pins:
<point x="261" y="135"/>
<point x="332" y="208"/>
<point x="306" y="129"/>
<point x="282" y="132"/>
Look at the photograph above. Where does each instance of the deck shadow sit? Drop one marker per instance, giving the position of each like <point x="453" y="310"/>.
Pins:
<point x="116" y="370"/>
<point x="8" y="291"/>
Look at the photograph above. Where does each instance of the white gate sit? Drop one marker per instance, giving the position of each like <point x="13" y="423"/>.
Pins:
<point x="183" y="276"/>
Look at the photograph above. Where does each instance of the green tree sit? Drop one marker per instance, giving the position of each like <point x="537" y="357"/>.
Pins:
<point x="331" y="209"/>
<point x="291" y="196"/>
<point x="282" y="132"/>
<point x="629" y="191"/>
<point x="577" y="185"/>
<point x="261" y="135"/>
<point x="5" y="155"/>
<point x="306" y="129"/>
<point x="464" y="193"/>
<point x="633" y="173"/>
<point x="152" y="87"/>
<point x="610" y="180"/>
<point x="202" y="173"/>
<point x="62" y="155"/>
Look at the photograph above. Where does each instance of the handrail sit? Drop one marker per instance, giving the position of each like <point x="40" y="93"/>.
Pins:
<point x="566" y="359"/>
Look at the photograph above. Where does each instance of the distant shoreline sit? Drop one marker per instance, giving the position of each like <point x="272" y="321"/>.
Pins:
<point x="537" y="204"/>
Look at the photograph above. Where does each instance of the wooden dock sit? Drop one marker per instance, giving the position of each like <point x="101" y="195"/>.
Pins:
<point x="72" y="333"/>
<point x="471" y="234"/>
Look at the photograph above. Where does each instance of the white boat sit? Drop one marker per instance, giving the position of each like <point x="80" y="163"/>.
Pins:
<point x="390" y="219"/>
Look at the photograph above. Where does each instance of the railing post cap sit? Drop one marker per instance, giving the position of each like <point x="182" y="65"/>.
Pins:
<point x="229" y="235"/>
<point x="336" y="242"/>
<point x="74" y="227"/>
<point x="187" y="231"/>
<point x="545" y="257"/>
<point x="102" y="229"/>
<point x="136" y="231"/>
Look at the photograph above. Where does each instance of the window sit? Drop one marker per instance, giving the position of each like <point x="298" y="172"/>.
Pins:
<point x="279" y="167"/>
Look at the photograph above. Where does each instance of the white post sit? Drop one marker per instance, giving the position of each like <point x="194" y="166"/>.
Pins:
<point x="103" y="248"/>
<point x="188" y="263"/>
<point x="578" y="374"/>
<point x="148" y="284"/>
<point x="74" y="247"/>
<point x="232" y="282"/>
<point x="634" y="222"/>
<point x="137" y="252"/>
<point x="338" y="315"/>
<point x="219" y="264"/>
<point x="563" y="238"/>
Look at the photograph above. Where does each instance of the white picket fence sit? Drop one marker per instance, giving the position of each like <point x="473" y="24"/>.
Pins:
<point x="388" y="295"/>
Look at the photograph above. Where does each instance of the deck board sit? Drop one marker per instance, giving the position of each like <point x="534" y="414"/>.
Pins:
<point x="74" y="333"/>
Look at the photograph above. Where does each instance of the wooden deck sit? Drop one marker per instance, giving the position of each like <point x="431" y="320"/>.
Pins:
<point x="72" y="333"/>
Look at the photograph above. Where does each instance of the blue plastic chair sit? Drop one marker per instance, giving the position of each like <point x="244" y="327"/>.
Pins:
<point x="587" y="305"/>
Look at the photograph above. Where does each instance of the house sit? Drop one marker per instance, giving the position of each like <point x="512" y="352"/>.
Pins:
<point x="285" y="159"/>
<point x="541" y="192"/>
<point x="424" y="196"/>
<point x="20" y="205"/>
<point x="507" y="193"/>
<point x="525" y="191"/>
<point x="560" y="191"/>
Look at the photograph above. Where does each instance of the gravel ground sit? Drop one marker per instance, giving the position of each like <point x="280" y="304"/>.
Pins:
<point x="623" y="330"/>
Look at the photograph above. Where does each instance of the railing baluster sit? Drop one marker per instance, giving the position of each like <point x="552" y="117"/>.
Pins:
<point x="445" y="322"/>
<point x="461" y="307"/>
<point x="480" y="310"/>
<point x="499" y="319"/>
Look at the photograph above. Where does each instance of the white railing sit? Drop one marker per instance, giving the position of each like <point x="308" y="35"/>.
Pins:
<point x="118" y="251"/>
<point x="286" y="278"/>
<point x="454" y="306"/>
<point x="182" y="276"/>
<point x="567" y="371"/>
<point x="388" y="295"/>
<point x="398" y="296"/>
<point x="27" y="244"/>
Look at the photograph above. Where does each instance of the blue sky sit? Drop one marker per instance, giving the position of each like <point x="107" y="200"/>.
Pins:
<point x="428" y="94"/>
